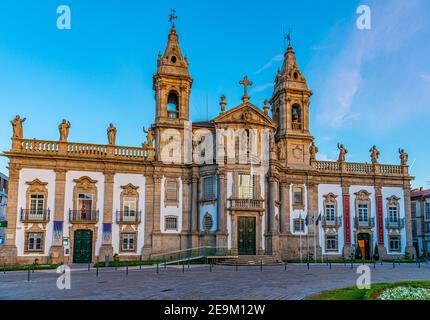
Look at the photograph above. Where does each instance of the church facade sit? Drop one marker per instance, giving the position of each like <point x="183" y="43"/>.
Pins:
<point x="204" y="184"/>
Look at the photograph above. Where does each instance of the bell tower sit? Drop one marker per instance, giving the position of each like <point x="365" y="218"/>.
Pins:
<point x="290" y="110"/>
<point x="172" y="84"/>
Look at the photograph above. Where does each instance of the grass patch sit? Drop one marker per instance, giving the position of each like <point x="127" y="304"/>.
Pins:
<point x="353" y="293"/>
<point x="26" y="267"/>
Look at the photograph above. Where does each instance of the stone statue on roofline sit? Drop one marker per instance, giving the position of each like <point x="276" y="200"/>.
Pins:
<point x="403" y="157"/>
<point x="150" y="136"/>
<point x="64" y="130"/>
<point x="342" y="153"/>
<point x="313" y="150"/>
<point x="17" y="127"/>
<point x="111" y="133"/>
<point x="374" y="154"/>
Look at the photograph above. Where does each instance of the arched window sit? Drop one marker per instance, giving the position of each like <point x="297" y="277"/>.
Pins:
<point x="173" y="105"/>
<point x="296" y="116"/>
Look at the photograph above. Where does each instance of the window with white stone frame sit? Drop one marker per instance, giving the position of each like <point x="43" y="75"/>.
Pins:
<point x="34" y="242"/>
<point x="246" y="186"/>
<point x="427" y="211"/>
<point x="171" y="223"/>
<point x="393" y="214"/>
<point x="394" y="243"/>
<point x="331" y="243"/>
<point x="128" y="242"/>
<point x="209" y="188"/>
<point x="171" y="195"/>
<point x="298" y="225"/>
<point x="363" y="213"/>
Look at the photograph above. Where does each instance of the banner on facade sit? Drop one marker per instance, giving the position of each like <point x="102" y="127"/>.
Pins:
<point x="107" y="233"/>
<point x="58" y="233"/>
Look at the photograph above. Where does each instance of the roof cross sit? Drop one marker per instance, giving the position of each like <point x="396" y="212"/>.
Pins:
<point x="245" y="82"/>
<point x="173" y="17"/>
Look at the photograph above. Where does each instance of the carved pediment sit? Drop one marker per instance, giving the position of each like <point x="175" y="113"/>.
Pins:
<point x="37" y="182"/>
<point x="245" y="114"/>
<point x="37" y="186"/>
<point x="129" y="190"/>
<point x="362" y="195"/>
<point x="393" y="200"/>
<point x="85" y="183"/>
<point x="330" y="197"/>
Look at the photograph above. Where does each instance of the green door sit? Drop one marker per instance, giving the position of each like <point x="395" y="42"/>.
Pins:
<point x="246" y="235"/>
<point x="82" y="248"/>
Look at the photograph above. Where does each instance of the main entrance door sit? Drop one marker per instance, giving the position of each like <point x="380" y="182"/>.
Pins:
<point x="246" y="235"/>
<point x="82" y="248"/>
<point x="364" y="244"/>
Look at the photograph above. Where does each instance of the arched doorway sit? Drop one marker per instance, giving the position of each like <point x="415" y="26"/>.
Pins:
<point x="363" y="240"/>
<point x="82" y="246"/>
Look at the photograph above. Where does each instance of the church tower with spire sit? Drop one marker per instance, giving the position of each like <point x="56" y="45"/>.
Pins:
<point x="290" y="110"/>
<point x="172" y="84"/>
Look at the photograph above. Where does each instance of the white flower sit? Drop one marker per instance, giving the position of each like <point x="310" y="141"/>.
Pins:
<point x="405" y="293"/>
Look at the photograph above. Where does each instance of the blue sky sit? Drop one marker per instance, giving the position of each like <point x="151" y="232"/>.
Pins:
<point x="370" y="86"/>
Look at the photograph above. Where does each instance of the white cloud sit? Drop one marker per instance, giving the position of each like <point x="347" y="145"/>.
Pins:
<point x="277" y="58"/>
<point x="262" y="87"/>
<point x="425" y="76"/>
<point x="392" y="24"/>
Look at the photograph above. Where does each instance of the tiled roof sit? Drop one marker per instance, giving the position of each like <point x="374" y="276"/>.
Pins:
<point x="420" y="193"/>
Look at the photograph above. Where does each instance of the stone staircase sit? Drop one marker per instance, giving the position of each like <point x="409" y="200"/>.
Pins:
<point x="253" y="260"/>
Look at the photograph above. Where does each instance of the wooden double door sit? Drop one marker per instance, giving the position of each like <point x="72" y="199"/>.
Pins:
<point x="246" y="235"/>
<point x="82" y="246"/>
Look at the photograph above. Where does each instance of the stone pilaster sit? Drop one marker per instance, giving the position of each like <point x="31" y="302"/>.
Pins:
<point x="107" y="248"/>
<point x="57" y="250"/>
<point x="273" y="234"/>
<point x="410" y="249"/>
<point x="347" y="248"/>
<point x="195" y="209"/>
<point x="186" y="213"/>
<point x="382" y="251"/>
<point x="149" y="198"/>
<point x="222" y="234"/>
<point x="8" y="253"/>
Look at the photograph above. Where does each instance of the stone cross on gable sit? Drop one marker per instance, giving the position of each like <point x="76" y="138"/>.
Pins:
<point x="245" y="82"/>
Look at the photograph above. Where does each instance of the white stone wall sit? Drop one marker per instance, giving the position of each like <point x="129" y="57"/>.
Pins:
<point x="123" y="180"/>
<point x="68" y="199"/>
<point x="386" y="193"/>
<point x="171" y="210"/>
<point x="28" y="175"/>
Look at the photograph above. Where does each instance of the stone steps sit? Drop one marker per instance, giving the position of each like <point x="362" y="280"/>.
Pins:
<point x="253" y="260"/>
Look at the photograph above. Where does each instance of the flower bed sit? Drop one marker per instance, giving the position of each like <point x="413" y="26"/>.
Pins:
<point x="405" y="293"/>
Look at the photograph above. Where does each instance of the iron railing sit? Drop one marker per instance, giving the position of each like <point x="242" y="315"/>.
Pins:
<point x="35" y="215"/>
<point x="128" y="217"/>
<point x="369" y="223"/>
<point x="395" y="224"/>
<point x="332" y="223"/>
<point x="83" y="216"/>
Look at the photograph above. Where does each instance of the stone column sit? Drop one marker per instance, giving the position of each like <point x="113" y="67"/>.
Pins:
<point x="195" y="210"/>
<point x="107" y="248"/>
<point x="57" y="249"/>
<point x="8" y="253"/>
<point x="222" y="234"/>
<point x="410" y="249"/>
<point x="347" y="249"/>
<point x="156" y="231"/>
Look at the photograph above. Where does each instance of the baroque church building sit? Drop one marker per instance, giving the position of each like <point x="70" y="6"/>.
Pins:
<point x="76" y="202"/>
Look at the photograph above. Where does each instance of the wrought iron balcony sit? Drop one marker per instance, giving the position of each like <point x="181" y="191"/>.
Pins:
<point x="247" y="204"/>
<point x="369" y="223"/>
<point x="332" y="223"/>
<point x="35" y="215"/>
<point x="83" y="216"/>
<point x="128" y="217"/>
<point x="395" y="224"/>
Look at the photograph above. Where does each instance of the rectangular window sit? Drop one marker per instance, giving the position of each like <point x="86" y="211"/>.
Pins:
<point x="85" y="202"/>
<point x="129" y="207"/>
<point x="37" y="202"/>
<point x="330" y="213"/>
<point x="128" y="241"/>
<point x="363" y="213"/>
<point x="428" y="227"/>
<point x="299" y="225"/>
<point x="34" y="241"/>
<point x="171" y="223"/>
<point x="331" y="243"/>
<point x="246" y="186"/>
<point x="298" y="196"/>
<point x="395" y="243"/>
<point x="172" y="190"/>
<point x="393" y="214"/>
<point x="427" y="210"/>
<point x="208" y="188"/>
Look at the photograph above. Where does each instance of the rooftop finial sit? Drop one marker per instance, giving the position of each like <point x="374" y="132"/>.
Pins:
<point x="287" y="37"/>
<point x="173" y="17"/>
<point x="245" y="82"/>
